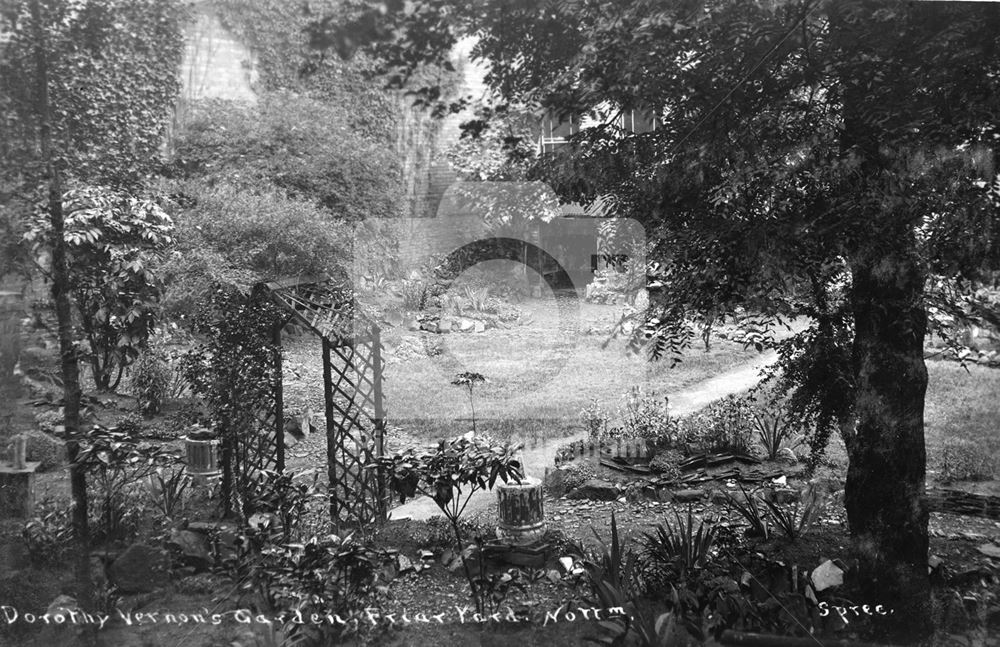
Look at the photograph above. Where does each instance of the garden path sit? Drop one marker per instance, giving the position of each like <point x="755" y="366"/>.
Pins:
<point x="537" y="459"/>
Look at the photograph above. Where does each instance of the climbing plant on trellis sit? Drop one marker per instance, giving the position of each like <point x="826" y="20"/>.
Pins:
<point x="352" y="387"/>
<point x="236" y="369"/>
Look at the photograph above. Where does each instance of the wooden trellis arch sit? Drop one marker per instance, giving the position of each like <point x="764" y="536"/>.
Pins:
<point x="352" y="389"/>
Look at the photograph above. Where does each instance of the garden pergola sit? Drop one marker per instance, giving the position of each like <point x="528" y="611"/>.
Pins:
<point x="352" y="388"/>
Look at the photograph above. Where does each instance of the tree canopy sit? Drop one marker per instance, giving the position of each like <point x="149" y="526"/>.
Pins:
<point x="825" y="159"/>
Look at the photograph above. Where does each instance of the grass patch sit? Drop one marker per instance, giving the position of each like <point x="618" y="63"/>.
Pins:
<point x="524" y="399"/>
<point x="960" y="421"/>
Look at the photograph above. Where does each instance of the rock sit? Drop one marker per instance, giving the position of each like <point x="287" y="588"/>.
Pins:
<point x="553" y="576"/>
<point x="447" y="557"/>
<point x="785" y="495"/>
<point x="690" y="495"/>
<point x="412" y="325"/>
<point x="426" y="555"/>
<point x="479" y="326"/>
<point x="404" y="564"/>
<point x="556" y="481"/>
<point x="566" y="563"/>
<point x="389" y="572"/>
<point x="193" y="549"/>
<point x="466" y="325"/>
<point x="990" y="550"/>
<point x="827" y="575"/>
<point x="141" y="569"/>
<point x="787" y="455"/>
<point x="456" y="564"/>
<point x="595" y="489"/>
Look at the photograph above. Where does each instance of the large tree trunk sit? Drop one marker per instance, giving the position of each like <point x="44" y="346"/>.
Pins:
<point x="69" y="364"/>
<point x="885" y="497"/>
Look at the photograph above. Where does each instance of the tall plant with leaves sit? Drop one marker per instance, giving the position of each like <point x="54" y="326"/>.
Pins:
<point x="450" y="475"/>
<point x="233" y="368"/>
<point x="113" y="240"/>
<point x="468" y="381"/>
<point x="87" y="92"/>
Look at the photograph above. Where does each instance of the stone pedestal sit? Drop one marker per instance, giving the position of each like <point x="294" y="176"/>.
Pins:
<point x="17" y="490"/>
<point x="521" y="511"/>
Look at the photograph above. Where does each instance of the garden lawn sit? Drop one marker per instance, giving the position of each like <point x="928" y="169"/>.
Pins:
<point x="963" y="405"/>
<point x="523" y="397"/>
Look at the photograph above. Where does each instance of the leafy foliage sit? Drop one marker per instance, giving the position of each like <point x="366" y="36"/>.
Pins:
<point x="48" y="535"/>
<point x="751" y="510"/>
<point x="149" y="381"/>
<point x="277" y="32"/>
<point x="595" y="419"/>
<point x="775" y="430"/>
<point x="112" y="70"/>
<point x="113" y="238"/>
<point x="233" y="370"/>
<point x="681" y="548"/>
<point x="268" y="191"/>
<point x="725" y="425"/>
<point x="795" y="520"/>
<point x="331" y="575"/>
<point x="469" y="381"/>
<point x="116" y="462"/>
<point x="168" y="487"/>
<point x="807" y="159"/>
<point x="450" y="476"/>
<point x="615" y="581"/>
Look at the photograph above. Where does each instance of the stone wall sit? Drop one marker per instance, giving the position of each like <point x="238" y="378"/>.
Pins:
<point x="423" y="143"/>
<point x="216" y="65"/>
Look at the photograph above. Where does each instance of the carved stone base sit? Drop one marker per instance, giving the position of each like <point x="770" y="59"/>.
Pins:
<point x="521" y="511"/>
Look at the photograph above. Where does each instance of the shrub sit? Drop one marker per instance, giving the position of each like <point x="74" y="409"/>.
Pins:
<point x="679" y="549"/>
<point x="279" y="494"/>
<point x="112" y="239"/>
<point x="130" y="424"/>
<point x="795" y="520"/>
<point x="167" y="488"/>
<point x="149" y="381"/>
<point x="595" y="420"/>
<point x="965" y="460"/>
<point x="450" y="476"/>
<point x="41" y="447"/>
<point x="750" y="508"/>
<point x="115" y="462"/>
<point x="414" y="293"/>
<point x="48" y="535"/>
<point x="775" y="431"/>
<point x="332" y="576"/>
<point x="643" y="415"/>
<point x="726" y="425"/>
